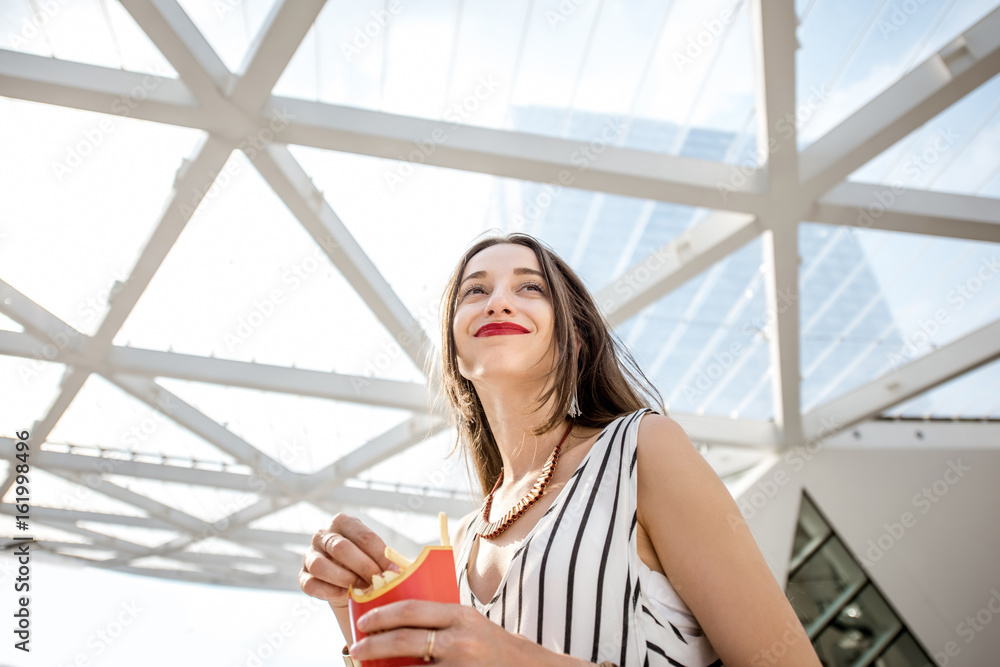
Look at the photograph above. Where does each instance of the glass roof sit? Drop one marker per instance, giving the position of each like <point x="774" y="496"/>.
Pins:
<point x="102" y="415"/>
<point x="873" y="301"/>
<point x="854" y="51"/>
<point x="246" y="282"/>
<point x="229" y="26"/>
<point x="66" y="158"/>
<point x="303" y="433"/>
<point x="95" y="32"/>
<point x="954" y="152"/>
<point x="974" y="395"/>
<point x="540" y="69"/>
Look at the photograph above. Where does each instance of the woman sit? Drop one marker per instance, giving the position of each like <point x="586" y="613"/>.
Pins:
<point x="604" y="536"/>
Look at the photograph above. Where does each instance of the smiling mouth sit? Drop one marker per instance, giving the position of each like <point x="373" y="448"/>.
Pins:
<point x="503" y="330"/>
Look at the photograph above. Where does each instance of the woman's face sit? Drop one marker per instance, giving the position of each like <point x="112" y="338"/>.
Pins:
<point x="503" y="284"/>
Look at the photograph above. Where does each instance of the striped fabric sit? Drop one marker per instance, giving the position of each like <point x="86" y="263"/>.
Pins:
<point x="577" y="585"/>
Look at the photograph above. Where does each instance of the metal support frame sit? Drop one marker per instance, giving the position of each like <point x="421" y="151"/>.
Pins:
<point x="786" y="188"/>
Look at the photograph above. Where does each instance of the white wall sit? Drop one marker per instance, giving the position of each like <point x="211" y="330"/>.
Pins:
<point x="943" y="568"/>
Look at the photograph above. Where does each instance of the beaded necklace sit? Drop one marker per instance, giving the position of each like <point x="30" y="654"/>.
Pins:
<point x="490" y="529"/>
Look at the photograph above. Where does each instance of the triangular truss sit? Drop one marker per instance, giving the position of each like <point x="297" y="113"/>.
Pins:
<point x="238" y="112"/>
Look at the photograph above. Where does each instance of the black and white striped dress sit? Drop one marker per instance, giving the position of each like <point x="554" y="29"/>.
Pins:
<point x="576" y="585"/>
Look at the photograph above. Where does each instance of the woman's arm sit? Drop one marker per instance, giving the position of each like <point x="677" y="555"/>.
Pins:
<point x="709" y="554"/>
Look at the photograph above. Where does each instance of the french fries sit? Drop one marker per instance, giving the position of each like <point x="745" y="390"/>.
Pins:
<point x="404" y="563"/>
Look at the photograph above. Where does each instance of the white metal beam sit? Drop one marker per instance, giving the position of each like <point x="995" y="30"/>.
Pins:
<point x="781" y="263"/>
<point x="45" y="336"/>
<point x="918" y="376"/>
<point x="250" y="536"/>
<point x="898" y="209"/>
<point x="384" y="446"/>
<point x="522" y="155"/>
<point x="177" y="37"/>
<point x="283" y="31"/>
<point x="299" y="381"/>
<point x="190" y="187"/>
<point x="197" y="422"/>
<point x="295" y="188"/>
<point x="302" y="382"/>
<point x="774" y="47"/>
<point x="192" y="182"/>
<point x="79" y="464"/>
<point x="713" y="429"/>
<point x="105" y="90"/>
<point x="918" y="434"/>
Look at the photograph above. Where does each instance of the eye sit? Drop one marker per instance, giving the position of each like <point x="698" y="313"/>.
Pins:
<point x="470" y="288"/>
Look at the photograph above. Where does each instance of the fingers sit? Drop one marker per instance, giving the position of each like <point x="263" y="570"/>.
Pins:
<point x="413" y="614"/>
<point x="348" y="553"/>
<point x="405" y="642"/>
<point x="364" y="551"/>
<point x="315" y="587"/>
<point x="325" y="569"/>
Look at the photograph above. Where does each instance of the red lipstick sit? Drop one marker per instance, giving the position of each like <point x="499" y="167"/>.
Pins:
<point x="500" y="329"/>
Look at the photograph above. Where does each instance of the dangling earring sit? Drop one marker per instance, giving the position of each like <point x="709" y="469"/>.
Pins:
<point x="574" y="407"/>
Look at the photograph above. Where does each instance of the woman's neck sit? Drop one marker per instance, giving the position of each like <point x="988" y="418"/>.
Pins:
<point x="511" y="421"/>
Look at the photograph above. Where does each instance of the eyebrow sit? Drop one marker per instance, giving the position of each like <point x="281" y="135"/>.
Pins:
<point x="519" y="271"/>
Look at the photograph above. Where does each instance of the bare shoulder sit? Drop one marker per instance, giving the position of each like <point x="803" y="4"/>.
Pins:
<point x="657" y="427"/>
<point x="661" y="440"/>
<point x="672" y="473"/>
<point x="708" y="552"/>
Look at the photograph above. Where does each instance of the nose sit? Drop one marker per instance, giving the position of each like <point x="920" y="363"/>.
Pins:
<point x="498" y="300"/>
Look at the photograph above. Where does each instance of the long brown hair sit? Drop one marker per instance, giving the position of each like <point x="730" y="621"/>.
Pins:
<point x="606" y="388"/>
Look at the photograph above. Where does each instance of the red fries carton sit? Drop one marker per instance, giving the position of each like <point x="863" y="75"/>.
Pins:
<point x="431" y="577"/>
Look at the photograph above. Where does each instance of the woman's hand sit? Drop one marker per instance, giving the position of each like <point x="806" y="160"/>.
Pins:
<point x="462" y="637"/>
<point x="348" y="553"/>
